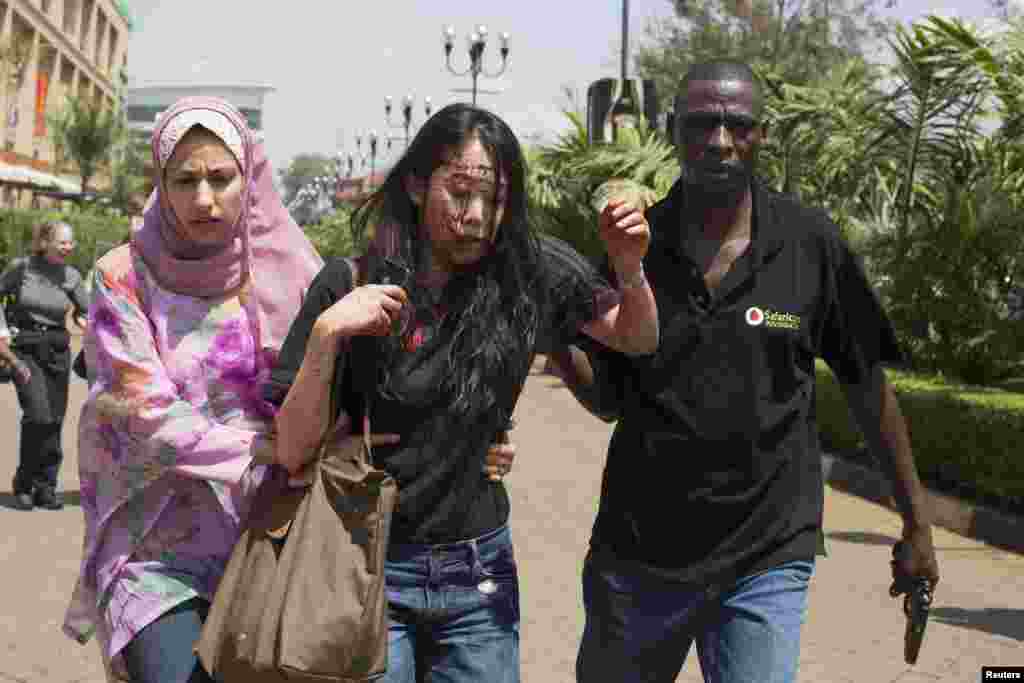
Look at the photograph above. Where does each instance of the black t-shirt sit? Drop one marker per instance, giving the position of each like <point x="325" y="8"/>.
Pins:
<point x="714" y="466"/>
<point x="444" y="496"/>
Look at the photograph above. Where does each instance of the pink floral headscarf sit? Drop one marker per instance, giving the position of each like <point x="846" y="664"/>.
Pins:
<point x="267" y="251"/>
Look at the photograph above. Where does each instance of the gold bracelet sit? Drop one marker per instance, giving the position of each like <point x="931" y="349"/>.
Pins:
<point x="638" y="279"/>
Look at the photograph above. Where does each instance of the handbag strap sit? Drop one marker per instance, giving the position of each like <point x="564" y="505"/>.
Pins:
<point x="357" y="267"/>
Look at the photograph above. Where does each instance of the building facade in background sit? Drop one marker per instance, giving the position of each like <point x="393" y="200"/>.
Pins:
<point x="51" y="49"/>
<point x="145" y="101"/>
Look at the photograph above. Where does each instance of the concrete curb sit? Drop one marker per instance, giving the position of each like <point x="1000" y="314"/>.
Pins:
<point x="961" y="517"/>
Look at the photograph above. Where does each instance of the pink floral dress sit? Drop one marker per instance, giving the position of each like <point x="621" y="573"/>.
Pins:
<point x="165" y="447"/>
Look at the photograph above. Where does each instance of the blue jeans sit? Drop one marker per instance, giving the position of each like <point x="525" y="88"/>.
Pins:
<point x="162" y="651"/>
<point x="639" y="628"/>
<point x="454" y="611"/>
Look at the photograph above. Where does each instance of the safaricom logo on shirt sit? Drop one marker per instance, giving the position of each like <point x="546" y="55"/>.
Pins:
<point x="774" y="319"/>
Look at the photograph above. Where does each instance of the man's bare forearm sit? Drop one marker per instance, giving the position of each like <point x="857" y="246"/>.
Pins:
<point x="876" y="408"/>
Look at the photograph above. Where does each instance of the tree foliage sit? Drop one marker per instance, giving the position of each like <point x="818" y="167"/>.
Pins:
<point x="798" y="39"/>
<point x="332" y="234"/>
<point x="96" y="231"/>
<point x="86" y="132"/>
<point x="301" y="171"/>
<point x="919" y="158"/>
<point x="571" y="180"/>
<point x="923" y="168"/>
<point x="128" y="177"/>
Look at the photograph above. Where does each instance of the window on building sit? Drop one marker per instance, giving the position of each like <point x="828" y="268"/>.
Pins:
<point x="142" y="113"/>
<point x="70" y="23"/>
<point x="254" y="117"/>
<point x="22" y="38"/>
<point x="146" y="114"/>
<point x="67" y="78"/>
<point x="112" y="48"/>
<point x="83" y="34"/>
<point x="97" y="46"/>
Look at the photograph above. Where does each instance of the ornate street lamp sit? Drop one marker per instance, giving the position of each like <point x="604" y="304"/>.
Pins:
<point x="406" y="122"/>
<point x="371" y="139"/>
<point x="476" y="43"/>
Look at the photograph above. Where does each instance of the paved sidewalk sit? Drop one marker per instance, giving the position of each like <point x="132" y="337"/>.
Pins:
<point x="854" y="630"/>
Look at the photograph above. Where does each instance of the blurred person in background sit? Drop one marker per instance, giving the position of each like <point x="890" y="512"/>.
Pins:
<point x="34" y="340"/>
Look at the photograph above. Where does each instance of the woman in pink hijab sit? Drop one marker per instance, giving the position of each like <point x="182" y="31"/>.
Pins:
<point x="185" y="324"/>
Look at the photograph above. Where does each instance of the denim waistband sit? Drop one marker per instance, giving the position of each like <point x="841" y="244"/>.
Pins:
<point x="498" y="537"/>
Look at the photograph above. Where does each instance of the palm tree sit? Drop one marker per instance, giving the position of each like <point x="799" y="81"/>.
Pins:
<point x="910" y="169"/>
<point x="826" y="142"/>
<point x="87" y="133"/>
<point x="571" y="181"/>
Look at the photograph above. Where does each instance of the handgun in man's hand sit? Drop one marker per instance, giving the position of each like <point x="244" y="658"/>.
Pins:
<point x="917" y="603"/>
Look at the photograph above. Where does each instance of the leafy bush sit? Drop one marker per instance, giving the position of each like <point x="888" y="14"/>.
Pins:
<point x="332" y="236"/>
<point x="16" y="232"/>
<point x="967" y="440"/>
<point x="96" y="231"/>
<point x="948" y="289"/>
<point x="920" y="162"/>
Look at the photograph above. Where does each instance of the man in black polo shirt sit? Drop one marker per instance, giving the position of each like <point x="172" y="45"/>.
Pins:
<point x="711" y="501"/>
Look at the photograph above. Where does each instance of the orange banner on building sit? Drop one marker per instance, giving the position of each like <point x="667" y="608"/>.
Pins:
<point x="42" y="85"/>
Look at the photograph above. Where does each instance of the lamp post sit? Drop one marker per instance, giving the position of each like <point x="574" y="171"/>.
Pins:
<point x="407" y="107"/>
<point x="371" y="140"/>
<point x="339" y="165"/>
<point x="476" y="44"/>
<point x="324" y="197"/>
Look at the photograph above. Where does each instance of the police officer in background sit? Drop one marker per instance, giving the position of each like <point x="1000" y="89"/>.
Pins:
<point x="41" y="288"/>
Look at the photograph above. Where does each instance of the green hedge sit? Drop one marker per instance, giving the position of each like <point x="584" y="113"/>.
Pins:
<point x="332" y="236"/>
<point x="968" y="440"/>
<point x="96" y="231"/>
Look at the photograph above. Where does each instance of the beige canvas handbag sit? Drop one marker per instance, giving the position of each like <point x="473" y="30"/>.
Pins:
<point x="302" y="598"/>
